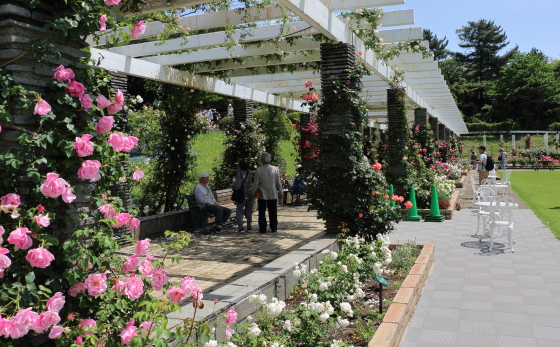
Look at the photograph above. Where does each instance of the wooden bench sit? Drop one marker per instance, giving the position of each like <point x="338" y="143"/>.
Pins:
<point x="200" y="216"/>
<point x="293" y="193"/>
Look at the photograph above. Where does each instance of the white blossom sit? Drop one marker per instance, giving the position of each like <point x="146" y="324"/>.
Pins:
<point x="346" y="308"/>
<point x="343" y="322"/>
<point x="287" y="325"/>
<point x="324" y="317"/>
<point x="254" y="330"/>
<point x="211" y="343"/>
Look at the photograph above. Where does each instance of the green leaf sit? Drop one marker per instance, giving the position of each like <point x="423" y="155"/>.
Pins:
<point x="30" y="277"/>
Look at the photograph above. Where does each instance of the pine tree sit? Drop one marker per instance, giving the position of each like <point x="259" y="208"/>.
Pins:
<point x="437" y="47"/>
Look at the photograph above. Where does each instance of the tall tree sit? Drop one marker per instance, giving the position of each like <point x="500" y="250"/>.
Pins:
<point x="437" y="47"/>
<point x="481" y="64"/>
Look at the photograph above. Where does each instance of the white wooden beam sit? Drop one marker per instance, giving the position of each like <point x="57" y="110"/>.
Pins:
<point x="282" y="76"/>
<point x="144" y="69"/>
<point x="401" y="35"/>
<point x="345" y="5"/>
<point x="260" y="61"/>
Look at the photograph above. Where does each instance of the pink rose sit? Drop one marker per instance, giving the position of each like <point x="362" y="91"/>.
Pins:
<point x="56" y="331"/>
<point x="231" y="316"/>
<point x="122" y="219"/>
<point x="114" y="108"/>
<point x="39" y="257"/>
<point x="90" y="170"/>
<point x="130" y="264"/>
<point x="107" y="210"/>
<point x="159" y="279"/>
<point x="42" y="220"/>
<point x="10" y="199"/>
<point x="20" y="239"/>
<point x="88" y="325"/>
<point x="142" y="247"/>
<point x="128" y="333"/>
<point x="79" y="340"/>
<point x="77" y="289"/>
<point x="146" y="269"/>
<point x="67" y="195"/>
<point x="116" y="141"/>
<point x="147" y="324"/>
<point x="377" y="166"/>
<point x="22" y="322"/>
<point x="96" y="284"/>
<point x="40" y="208"/>
<point x="63" y="74"/>
<point x="131" y="286"/>
<point x="112" y="2"/>
<point x="102" y="20"/>
<point x="408" y="204"/>
<point x="187" y="284"/>
<point x="137" y="174"/>
<point x="42" y="108"/>
<point x="5" y="263"/>
<point x="129" y="143"/>
<point x="175" y="294"/>
<point x="45" y="321"/>
<point x="308" y="84"/>
<point x="360" y="52"/>
<point x="138" y="29"/>
<point x="197" y="292"/>
<point x="86" y="101"/>
<point x="119" y="97"/>
<point x="133" y="223"/>
<point x="83" y="145"/>
<point x="306" y="97"/>
<point x="104" y="124"/>
<point x="314" y="97"/>
<point x="102" y="102"/>
<point x="75" y="88"/>
<point x="56" y="303"/>
<point x="53" y="186"/>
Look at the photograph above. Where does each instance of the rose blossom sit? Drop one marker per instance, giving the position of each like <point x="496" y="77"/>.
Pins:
<point x="128" y="333"/>
<point x="20" y="239"/>
<point x="88" y="325"/>
<point x="79" y="340"/>
<point x="10" y="199"/>
<point x="42" y="108"/>
<point x="114" y="108"/>
<point x="175" y="294"/>
<point x="56" y="303"/>
<point x="77" y="289"/>
<point x="107" y="210"/>
<point x="53" y="186"/>
<point x="308" y="84"/>
<point x="130" y="264"/>
<point x="142" y="247"/>
<point x="231" y="316"/>
<point x="133" y="223"/>
<point x="112" y="2"/>
<point x="102" y="20"/>
<point x="45" y="321"/>
<point x="56" y="331"/>
<point x="39" y="257"/>
<point x="122" y="219"/>
<point x="187" y="284"/>
<point x="119" y="97"/>
<point x="159" y="279"/>
<point x="68" y="196"/>
<point x="377" y="166"/>
<point x="197" y="292"/>
<point x="102" y="102"/>
<point x="83" y="145"/>
<point x="75" y="89"/>
<point x="96" y="284"/>
<point x="5" y="263"/>
<point x="306" y="97"/>
<point x="22" y="322"/>
<point x="116" y="141"/>
<point x="63" y="74"/>
<point x="138" y="29"/>
<point x="131" y="286"/>
<point x="146" y="269"/>
<point x="90" y="170"/>
<point x="137" y="174"/>
<point x="42" y="220"/>
<point x="129" y="143"/>
<point x="314" y="97"/>
<point x="104" y="124"/>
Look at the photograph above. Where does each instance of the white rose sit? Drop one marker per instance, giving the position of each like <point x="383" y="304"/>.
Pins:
<point x="323" y="317"/>
<point x="254" y="330"/>
<point x="211" y="343"/>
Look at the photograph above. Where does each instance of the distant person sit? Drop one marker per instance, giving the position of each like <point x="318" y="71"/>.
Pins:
<point x="267" y="180"/>
<point x="473" y="159"/>
<point x="229" y="110"/>
<point x="205" y="199"/>
<point x="244" y="177"/>
<point x="482" y="172"/>
<point x="502" y="156"/>
<point x="209" y="114"/>
<point x="215" y="117"/>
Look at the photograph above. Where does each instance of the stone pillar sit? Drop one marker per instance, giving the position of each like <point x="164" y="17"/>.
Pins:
<point x="441" y="132"/>
<point x="242" y="111"/>
<point x="420" y="117"/>
<point x="434" y="125"/>
<point x="305" y="140"/>
<point x="447" y="134"/>
<point x="396" y="135"/>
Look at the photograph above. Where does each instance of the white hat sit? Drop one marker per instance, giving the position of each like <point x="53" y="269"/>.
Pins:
<point x="203" y="174"/>
<point x="298" y="166"/>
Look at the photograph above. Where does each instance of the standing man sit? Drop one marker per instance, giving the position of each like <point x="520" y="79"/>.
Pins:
<point x="267" y="180"/>
<point x="482" y="172"/>
<point x="473" y="159"/>
<point x="502" y="159"/>
<point x="205" y="199"/>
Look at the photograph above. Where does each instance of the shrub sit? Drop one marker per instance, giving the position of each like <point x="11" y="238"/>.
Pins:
<point x="503" y="126"/>
<point x="554" y="126"/>
<point x="226" y="123"/>
<point x="294" y="117"/>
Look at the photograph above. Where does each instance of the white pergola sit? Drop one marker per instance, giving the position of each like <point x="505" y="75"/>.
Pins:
<point x="249" y="79"/>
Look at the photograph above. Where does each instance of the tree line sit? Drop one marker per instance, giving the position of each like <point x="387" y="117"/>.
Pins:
<point x="492" y="85"/>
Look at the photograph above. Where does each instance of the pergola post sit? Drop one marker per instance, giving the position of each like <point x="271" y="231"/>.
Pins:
<point x="242" y="111"/>
<point x="447" y="134"/>
<point x="421" y="117"/>
<point x="434" y="125"/>
<point x="396" y="137"/>
<point x="441" y="132"/>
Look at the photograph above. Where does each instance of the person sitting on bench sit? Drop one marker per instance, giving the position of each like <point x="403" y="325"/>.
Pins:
<point x="205" y="199"/>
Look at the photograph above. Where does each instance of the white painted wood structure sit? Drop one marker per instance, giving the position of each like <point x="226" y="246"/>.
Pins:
<point x="248" y="75"/>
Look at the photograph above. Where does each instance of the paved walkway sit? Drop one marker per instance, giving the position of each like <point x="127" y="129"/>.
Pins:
<point x="477" y="297"/>
<point x="218" y="259"/>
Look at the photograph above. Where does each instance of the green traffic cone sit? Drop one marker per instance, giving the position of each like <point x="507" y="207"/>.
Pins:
<point x="392" y="192"/>
<point x="413" y="211"/>
<point x="435" y="214"/>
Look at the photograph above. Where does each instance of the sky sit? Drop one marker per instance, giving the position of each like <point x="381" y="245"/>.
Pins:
<point x="527" y="23"/>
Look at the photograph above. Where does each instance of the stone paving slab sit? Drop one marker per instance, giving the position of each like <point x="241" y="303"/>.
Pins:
<point x="477" y="297"/>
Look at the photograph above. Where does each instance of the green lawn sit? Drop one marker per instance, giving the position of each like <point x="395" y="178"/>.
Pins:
<point x="541" y="191"/>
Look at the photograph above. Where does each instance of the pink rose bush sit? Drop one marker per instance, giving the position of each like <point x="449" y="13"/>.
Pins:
<point x="83" y="146"/>
<point x="90" y="170"/>
<point x="39" y="257"/>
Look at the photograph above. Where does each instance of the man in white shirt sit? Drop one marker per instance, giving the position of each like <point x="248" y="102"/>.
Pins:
<point x="482" y="172"/>
<point x="205" y="199"/>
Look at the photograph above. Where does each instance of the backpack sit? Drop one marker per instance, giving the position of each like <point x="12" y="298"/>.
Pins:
<point x="489" y="163"/>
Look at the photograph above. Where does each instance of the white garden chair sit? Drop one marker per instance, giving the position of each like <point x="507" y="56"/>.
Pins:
<point x="483" y="194"/>
<point x="501" y="216"/>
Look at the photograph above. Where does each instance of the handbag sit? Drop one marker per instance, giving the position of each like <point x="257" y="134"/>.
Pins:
<point x="257" y="194"/>
<point x="238" y="195"/>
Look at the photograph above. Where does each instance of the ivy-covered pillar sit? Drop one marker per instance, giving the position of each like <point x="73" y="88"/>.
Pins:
<point x="242" y="110"/>
<point x="305" y="142"/>
<point x="447" y="134"/>
<point x="441" y="132"/>
<point x="421" y="117"/>
<point x="434" y="125"/>
<point x="397" y="132"/>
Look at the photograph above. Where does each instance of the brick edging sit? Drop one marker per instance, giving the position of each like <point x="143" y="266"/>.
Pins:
<point x="390" y="332"/>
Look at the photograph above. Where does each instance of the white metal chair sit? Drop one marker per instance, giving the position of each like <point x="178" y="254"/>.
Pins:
<point x="497" y="187"/>
<point x="473" y="185"/>
<point x="501" y="216"/>
<point x="506" y="181"/>
<point x="483" y="194"/>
